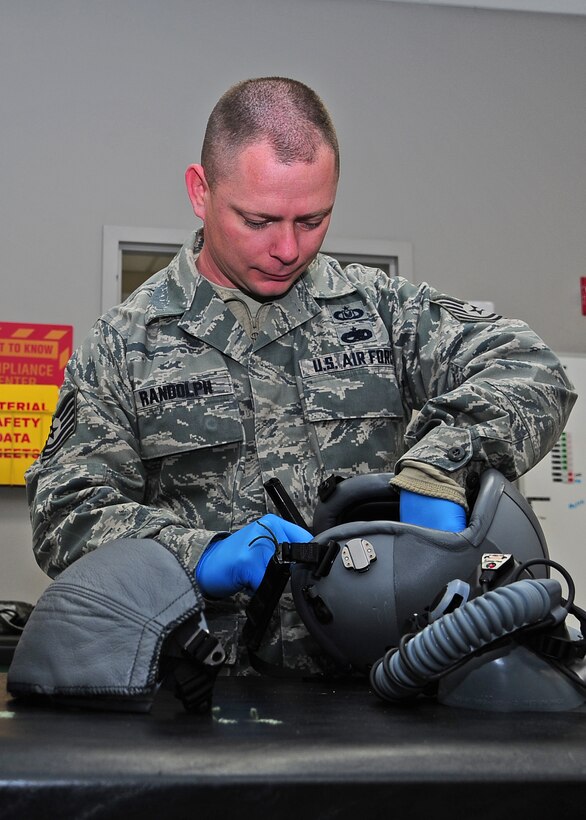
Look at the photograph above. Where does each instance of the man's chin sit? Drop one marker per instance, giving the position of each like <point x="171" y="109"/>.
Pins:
<point x="272" y="288"/>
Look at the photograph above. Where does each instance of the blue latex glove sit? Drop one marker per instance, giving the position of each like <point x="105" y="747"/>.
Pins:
<point x="239" y="560"/>
<point x="435" y="513"/>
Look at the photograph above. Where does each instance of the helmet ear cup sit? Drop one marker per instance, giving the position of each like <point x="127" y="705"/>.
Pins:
<point x="368" y="609"/>
<point x="359" y="498"/>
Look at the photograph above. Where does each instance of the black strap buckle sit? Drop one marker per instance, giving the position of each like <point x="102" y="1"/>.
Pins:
<point x="321" y="556"/>
<point x="264" y="601"/>
<point x="197" y="657"/>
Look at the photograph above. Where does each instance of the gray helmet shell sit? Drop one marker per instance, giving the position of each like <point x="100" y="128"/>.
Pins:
<point x="386" y="571"/>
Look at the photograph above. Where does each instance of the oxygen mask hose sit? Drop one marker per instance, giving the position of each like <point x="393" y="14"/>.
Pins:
<point x="404" y="672"/>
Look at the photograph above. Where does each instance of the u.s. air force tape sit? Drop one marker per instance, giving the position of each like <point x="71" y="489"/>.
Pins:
<point x="63" y="424"/>
<point x="464" y="311"/>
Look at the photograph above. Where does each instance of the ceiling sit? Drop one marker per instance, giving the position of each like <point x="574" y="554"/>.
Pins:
<point x="549" y="6"/>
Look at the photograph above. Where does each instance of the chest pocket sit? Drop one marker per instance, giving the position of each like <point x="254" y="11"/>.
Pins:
<point x="179" y="423"/>
<point x="357" y="417"/>
<point x="353" y="393"/>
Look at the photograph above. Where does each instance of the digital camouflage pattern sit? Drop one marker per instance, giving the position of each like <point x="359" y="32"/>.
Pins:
<point x="170" y="418"/>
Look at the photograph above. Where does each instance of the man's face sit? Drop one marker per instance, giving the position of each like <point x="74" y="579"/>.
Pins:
<point x="265" y="221"/>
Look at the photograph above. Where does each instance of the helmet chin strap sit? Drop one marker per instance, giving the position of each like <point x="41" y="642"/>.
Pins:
<point x="318" y="556"/>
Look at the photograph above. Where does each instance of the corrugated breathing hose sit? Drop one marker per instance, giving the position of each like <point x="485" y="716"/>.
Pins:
<point x="405" y="671"/>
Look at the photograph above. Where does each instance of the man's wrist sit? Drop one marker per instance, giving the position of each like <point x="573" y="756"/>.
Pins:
<point x="425" y="479"/>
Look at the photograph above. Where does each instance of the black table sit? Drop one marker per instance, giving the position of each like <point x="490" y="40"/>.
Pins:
<point x="290" y="749"/>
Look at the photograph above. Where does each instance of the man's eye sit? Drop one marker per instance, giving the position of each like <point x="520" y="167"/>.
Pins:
<point x="310" y="226"/>
<point x="251" y="223"/>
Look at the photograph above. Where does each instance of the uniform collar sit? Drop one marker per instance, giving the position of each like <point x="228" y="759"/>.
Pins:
<point x="325" y="279"/>
<point x="184" y="292"/>
<point x="175" y="289"/>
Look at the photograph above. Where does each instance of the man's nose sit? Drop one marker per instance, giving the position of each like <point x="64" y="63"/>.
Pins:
<point x="285" y="247"/>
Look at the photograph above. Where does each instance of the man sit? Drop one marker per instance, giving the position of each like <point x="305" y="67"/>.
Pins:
<point x="252" y="356"/>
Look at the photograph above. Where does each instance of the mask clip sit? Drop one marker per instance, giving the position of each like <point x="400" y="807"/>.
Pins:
<point x="358" y="554"/>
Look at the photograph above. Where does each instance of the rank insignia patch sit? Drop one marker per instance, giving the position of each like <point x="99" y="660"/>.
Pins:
<point x="464" y="311"/>
<point x="63" y="425"/>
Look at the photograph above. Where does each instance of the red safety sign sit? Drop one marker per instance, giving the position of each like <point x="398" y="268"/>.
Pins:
<point x="34" y="354"/>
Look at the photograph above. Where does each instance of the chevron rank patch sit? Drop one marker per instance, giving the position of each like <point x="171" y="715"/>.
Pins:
<point x="464" y="311"/>
<point x="63" y="425"/>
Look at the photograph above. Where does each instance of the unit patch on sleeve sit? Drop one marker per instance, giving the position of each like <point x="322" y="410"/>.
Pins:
<point x="464" y="311"/>
<point x="63" y="424"/>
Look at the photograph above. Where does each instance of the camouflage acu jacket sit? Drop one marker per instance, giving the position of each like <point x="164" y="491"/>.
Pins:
<point x="171" y="418"/>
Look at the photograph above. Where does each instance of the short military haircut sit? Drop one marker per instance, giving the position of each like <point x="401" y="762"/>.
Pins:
<point x="283" y="112"/>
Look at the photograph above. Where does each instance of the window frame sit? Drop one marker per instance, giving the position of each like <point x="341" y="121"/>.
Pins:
<point x="117" y="238"/>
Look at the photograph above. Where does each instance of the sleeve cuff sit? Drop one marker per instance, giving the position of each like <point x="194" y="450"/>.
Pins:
<point x="425" y="479"/>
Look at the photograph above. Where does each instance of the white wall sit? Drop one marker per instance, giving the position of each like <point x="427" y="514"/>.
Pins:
<point x="462" y="131"/>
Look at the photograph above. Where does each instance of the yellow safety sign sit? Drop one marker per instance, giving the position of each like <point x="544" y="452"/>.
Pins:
<point x="25" y="420"/>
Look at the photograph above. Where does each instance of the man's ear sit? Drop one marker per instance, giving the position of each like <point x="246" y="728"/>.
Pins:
<point x="197" y="189"/>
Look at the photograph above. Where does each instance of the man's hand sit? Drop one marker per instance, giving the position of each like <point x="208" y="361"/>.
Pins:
<point x="239" y="560"/>
<point x="435" y="513"/>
